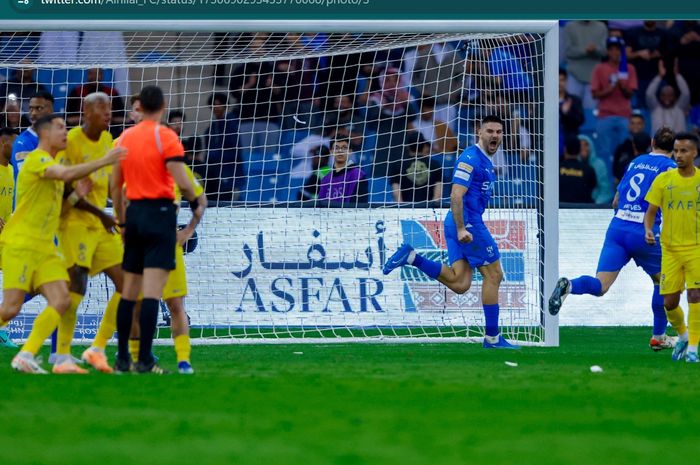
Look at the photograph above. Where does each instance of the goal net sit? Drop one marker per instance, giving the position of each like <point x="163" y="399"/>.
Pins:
<point x="292" y="246"/>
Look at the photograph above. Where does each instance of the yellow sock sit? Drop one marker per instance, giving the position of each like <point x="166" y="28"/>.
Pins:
<point x="677" y="320"/>
<point x="108" y="324"/>
<point x="66" y="328"/>
<point x="693" y="324"/>
<point x="44" y="325"/>
<point x="183" y="348"/>
<point x="134" y="349"/>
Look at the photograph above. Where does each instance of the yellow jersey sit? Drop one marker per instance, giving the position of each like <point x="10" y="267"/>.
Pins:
<point x="81" y="149"/>
<point x="7" y="188"/>
<point x="35" y="221"/>
<point x="198" y="189"/>
<point x="678" y="198"/>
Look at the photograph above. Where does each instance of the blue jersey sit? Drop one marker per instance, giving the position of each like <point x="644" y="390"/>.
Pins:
<point x="474" y="170"/>
<point x="27" y="141"/>
<point x="633" y="188"/>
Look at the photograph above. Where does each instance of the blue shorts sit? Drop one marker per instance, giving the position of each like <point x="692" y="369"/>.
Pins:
<point x="625" y="244"/>
<point x="479" y="252"/>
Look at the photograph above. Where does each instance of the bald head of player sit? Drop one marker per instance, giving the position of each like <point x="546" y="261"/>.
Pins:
<point x="97" y="113"/>
<point x="490" y="134"/>
<point x="685" y="149"/>
<point x="53" y="134"/>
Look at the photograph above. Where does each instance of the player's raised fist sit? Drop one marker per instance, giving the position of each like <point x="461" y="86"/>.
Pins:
<point x="464" y="236"/>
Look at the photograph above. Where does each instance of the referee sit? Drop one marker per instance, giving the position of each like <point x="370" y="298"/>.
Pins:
<point x="148" y="174"/>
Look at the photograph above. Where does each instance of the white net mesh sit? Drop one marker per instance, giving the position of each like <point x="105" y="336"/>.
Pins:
<point x="294" y="242"/>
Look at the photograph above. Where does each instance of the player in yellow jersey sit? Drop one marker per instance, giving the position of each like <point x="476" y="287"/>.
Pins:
<point x="176" y="288"/>
<point x="677" y="194"/>
<point x="87" y="246"/>
<point x="7" y="187"/>
<point x="30" y="258"/>
<point x="174" y="292"/>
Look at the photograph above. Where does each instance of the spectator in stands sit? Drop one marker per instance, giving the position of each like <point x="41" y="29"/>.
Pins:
<point x="576" y="177"/>
<point x="437" y="73"/>
<point x="303" y="151"/>
<point x="12" y="116"/>
<point x="343" y="113"/>
<point x="585" y="46"/>
<point x="346" y="183"/>
<point x="294" y="83"/>
<point x="625" y="152"/>
<point x="570" y="109"/>
<point x="319" y="162"/>
<point x="437" y="133"/>
<point x="667" y="108"/>
<point x="223" y="173"/>
<point x="603" y="192"/>
<point x="94" y="82"/>
<point x="416" y="178"/>
<point x="645" y="47"/>
<point x="259" y="102"/>
<point x="389" y="111"/>
<point x="22" y="85"/>
<point x="687" y="35"/>
<point x="613" y="84"/>
<point x="193" y="145"/>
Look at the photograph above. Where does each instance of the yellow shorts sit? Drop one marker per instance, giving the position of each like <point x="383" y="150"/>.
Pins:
<point x="680" y="268"/>
<point x="177" y="280"/>
<point x="94" y="249"/>
<point x="28" y="270"/>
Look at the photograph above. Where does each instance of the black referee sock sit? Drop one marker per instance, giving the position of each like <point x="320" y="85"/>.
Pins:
<point x="149" y="320"/>
<point x="125" y="314"/>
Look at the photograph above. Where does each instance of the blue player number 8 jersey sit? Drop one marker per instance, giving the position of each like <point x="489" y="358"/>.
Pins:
<point x="636" y="183"/>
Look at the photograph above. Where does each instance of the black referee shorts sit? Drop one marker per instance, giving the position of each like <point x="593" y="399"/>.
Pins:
<point x="150" y="237"/>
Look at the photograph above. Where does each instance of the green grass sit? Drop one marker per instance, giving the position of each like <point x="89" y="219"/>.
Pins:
<point x="366" y="404"/>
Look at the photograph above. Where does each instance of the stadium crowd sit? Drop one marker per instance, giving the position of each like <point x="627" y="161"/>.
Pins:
<point x="266" y="128"/>
<point x="619" y="82"/>
<point x="270" y="125"/>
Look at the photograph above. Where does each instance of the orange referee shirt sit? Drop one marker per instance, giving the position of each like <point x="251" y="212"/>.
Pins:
<point x="150" y="145"/>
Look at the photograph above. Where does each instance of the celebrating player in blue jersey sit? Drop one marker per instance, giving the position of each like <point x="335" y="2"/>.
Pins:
<point x="624" y="240"/>
<point x="469" y="243"/>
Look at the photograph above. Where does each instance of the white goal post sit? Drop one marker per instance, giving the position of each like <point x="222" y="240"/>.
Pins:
<point x="274" y="262"/>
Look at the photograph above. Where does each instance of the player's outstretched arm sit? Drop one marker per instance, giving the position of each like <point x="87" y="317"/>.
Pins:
<point x="72" y="173"/>
<point x="649" y="219"/>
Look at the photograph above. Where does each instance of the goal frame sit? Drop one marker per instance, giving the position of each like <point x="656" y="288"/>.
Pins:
<point x="549" y="235"/>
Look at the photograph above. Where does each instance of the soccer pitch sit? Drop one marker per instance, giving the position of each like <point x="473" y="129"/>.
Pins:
<point x="366" y="404"/>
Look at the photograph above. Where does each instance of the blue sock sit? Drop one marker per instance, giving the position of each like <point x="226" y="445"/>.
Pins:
<point x="428" y="267"/>
<point x="491" y="317"/>
<point x="54" y="341"/>
<point x="657" y="306"/>
<point x="586" y="285"/>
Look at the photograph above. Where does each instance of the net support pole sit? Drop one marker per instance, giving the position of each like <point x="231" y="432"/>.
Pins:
<point x="551" y="179"/>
